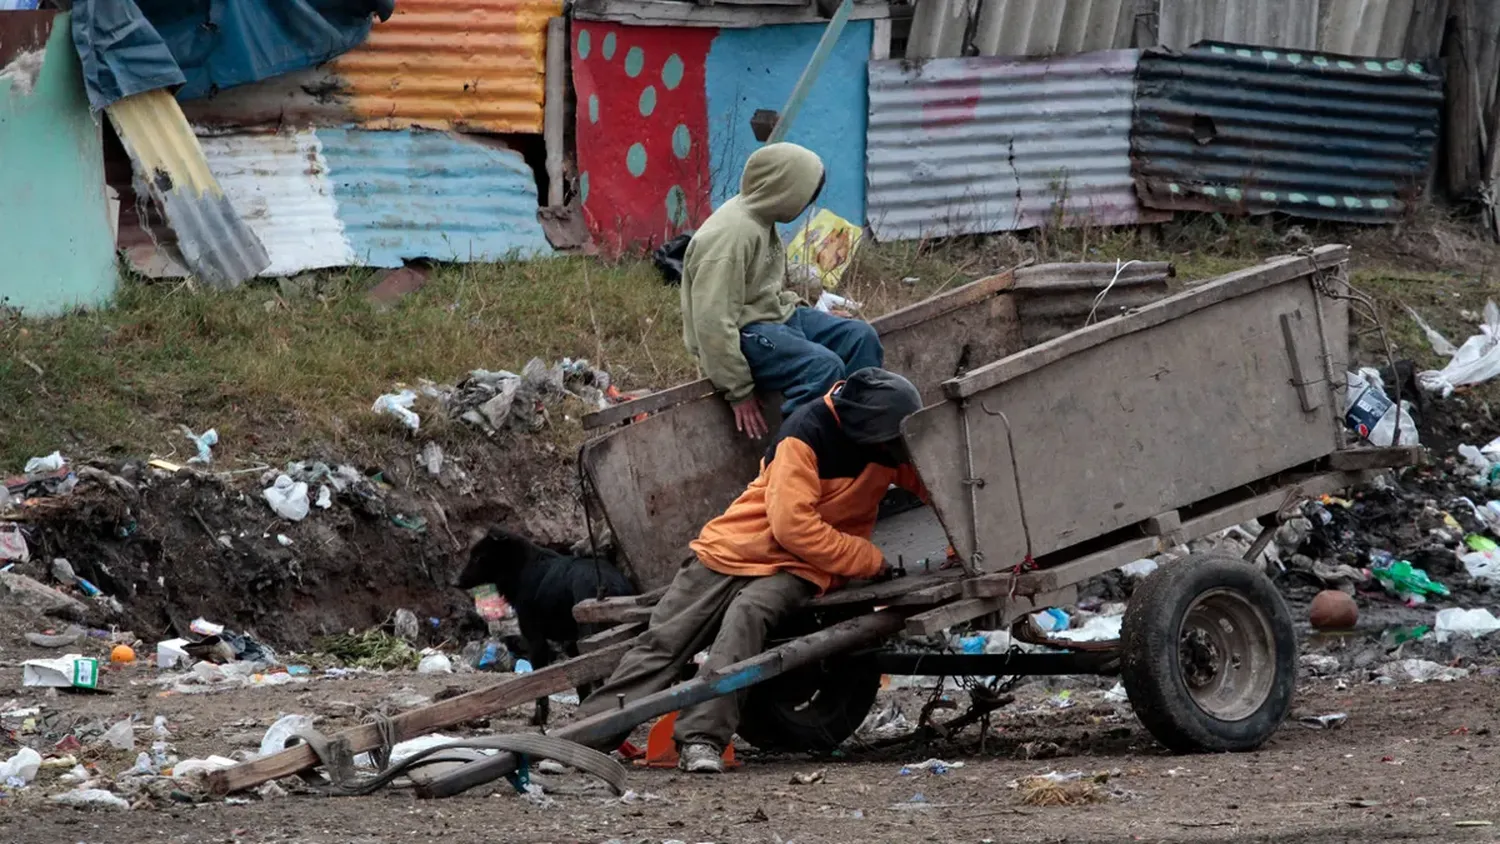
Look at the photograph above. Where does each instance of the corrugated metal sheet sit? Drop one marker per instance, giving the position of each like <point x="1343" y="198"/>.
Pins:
<point x="280" y="184"/>
<point x="346" y="197"/>
<point x="1020" y="27"/>
<point x="1270" y="23"/>
<point x="417" y="194"/>
<point x="171" y="168"/>
<point x="960" y="146"/>
<point x="1242" y="129"/>
<point x="476" y="65"/>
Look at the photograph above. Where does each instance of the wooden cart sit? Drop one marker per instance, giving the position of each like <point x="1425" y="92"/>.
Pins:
<point x="1078" y="418"/>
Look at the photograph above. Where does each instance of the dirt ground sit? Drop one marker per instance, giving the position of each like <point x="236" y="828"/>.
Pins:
<point x="1412" y="762"/>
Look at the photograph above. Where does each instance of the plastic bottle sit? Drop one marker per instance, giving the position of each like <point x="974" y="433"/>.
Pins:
<point x="1408" y="583"/>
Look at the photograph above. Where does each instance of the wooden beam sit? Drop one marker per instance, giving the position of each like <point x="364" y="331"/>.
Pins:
<point x="936" y="306"/>
<point x="1227" y="287"/>
<point x="889" y="591"/>
<point x="648" y="404"/>
<point x="554" y="107"/>
<point x="614" y="635"/>
<point x="1366" y="459"/>
<point x="512" y="691"/>
<point x="606" y="726"/>
<point x="1164" y="524"/>
<point x="1012" y="607"/>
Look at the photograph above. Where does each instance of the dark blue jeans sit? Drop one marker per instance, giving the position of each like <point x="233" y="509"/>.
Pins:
<point x="806" y="355"/>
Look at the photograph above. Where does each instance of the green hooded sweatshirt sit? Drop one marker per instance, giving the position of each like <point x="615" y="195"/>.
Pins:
<point x="734" y="272"/>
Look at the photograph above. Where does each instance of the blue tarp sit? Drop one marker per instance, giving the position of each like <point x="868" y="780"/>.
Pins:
<point x="203" y="46"/>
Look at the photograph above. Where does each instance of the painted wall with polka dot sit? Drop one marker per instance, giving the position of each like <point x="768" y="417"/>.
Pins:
<point x="663" y="126"/>
<point x="642" y="131"/>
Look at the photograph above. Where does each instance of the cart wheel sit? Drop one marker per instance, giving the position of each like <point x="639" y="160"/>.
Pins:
<point x="1209" y="655"/>
<point x="813" y="709"/>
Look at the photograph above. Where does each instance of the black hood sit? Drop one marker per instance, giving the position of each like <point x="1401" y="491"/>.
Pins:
<point x="872" y="403"/>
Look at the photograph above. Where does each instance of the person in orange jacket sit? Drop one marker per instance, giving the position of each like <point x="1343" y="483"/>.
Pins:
<point x="800" y="529"/>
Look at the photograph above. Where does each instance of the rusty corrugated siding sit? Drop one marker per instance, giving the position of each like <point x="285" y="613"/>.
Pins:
<point x="962" y="146"/>
<point x="1241" y="129"/>
<point x="1269" y="23"/>
<point x="470" y="65"/>
<point x="170" y="166"/>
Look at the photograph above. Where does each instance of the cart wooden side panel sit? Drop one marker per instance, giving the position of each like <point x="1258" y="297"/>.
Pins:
<point x="1105" y="427"/>
<point x="661" y="478"/>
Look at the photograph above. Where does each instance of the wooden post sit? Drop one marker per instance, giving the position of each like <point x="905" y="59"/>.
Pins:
<point x="605" y="726"/>
<point x="512" y="691"/>
<point x="554" y="109"/>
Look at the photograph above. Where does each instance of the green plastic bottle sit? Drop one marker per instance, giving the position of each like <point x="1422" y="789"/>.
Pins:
<point x="1407" y="583"/>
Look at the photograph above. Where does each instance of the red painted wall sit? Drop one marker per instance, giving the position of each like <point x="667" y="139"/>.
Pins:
<point x="642" y="133"/>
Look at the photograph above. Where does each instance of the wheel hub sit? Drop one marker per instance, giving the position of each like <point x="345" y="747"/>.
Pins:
<point x="1227" y="654"/>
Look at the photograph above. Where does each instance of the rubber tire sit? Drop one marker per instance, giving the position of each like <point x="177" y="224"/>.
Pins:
<point x="1150" y="667"/>
<point x="846" y="693"/>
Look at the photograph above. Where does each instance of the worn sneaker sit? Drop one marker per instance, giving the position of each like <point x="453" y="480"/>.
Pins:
<point x="700" y="759"/>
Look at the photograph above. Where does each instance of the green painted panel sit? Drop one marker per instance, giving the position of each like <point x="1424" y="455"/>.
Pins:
<point x="56" y="243"/>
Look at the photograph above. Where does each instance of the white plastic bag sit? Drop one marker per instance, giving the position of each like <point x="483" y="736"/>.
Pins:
<point x="1369" y="412"/>
<point x="399" y="406"/>
<point x="20" y="769"/>
<point x="1476" y="361"/>
<point x="288" y="498"/>
<point x="92" y="798"/>
<point x="1460" y="622"/>
<point x="204" y="442"/>
<point x="37" y="466"/>
<point x="1482" y="565"/>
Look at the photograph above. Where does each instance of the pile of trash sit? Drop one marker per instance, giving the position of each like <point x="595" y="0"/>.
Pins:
<point x="502" y="400"/>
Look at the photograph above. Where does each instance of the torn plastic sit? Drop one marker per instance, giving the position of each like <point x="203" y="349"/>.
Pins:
<point x="399" y="406"/>
<point x="1460" y="622"/>
<point x="20" y="769"/>
<point x="1475" y="362"/>
<point x="288" y="498"/>
<point x="38" y="466"/>
<point x="204" y="442"/>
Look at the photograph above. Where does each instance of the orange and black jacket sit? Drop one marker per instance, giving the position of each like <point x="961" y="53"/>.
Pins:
<point x="811" y="510"/>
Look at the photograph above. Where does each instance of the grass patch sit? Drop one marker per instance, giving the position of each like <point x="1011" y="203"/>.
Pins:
<point x="282" y="369"/>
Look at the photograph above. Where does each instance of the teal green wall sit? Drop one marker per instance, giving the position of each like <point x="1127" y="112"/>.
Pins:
<point x="56" y="246"/>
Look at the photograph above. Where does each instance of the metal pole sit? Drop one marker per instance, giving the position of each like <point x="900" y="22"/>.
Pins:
<point x="810" y="73"/>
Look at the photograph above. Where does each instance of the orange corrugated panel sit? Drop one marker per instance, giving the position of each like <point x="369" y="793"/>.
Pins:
<point x="461" y="64"/>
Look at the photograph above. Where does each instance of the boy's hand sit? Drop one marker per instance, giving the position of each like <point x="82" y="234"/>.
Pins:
<point x="749" y="420"/>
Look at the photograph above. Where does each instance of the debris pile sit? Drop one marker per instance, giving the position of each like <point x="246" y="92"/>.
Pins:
<point x="502" y="400"/>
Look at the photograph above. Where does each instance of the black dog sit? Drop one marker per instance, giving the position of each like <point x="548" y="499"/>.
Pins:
<point x="543" y="586"/>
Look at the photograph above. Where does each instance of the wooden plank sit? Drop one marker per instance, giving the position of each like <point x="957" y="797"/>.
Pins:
<point x="648" y="404"/>
<point x="1011" y="607"/>
<point x="936" y="306"/>
<point x="610" y="612"/>
<point x="1075" y="571"/>
<point x="887" y="591"/>
<point x="1301" y="337"/>
<point x="512" y="691"/>
<point x="606" y="726"/>
<point x="880" y="41"/>
<point x="1366" y="459"/>
<point x="1164" y="524"/>
<point x="614" y="635"/>
<point x="931" y="595"/>
<point x="554" y="108"/>
<point x="1175" y="307"/>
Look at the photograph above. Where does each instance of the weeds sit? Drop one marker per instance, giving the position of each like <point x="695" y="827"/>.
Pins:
<point x="280" y="369"/>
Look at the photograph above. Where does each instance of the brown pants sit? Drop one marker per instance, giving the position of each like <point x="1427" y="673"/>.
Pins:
<point x="702" y="606"/>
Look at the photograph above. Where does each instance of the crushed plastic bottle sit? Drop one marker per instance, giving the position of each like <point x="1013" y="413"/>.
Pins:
<point x="1406" y="582"/>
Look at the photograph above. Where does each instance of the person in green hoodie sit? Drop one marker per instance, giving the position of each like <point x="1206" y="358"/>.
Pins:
<point x="745" y="328"/>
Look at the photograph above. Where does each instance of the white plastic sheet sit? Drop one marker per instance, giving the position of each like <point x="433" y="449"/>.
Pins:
<point x="1475" y="362"/>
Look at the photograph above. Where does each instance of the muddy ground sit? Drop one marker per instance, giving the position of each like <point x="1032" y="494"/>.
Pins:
<point x="1412" y="762"/>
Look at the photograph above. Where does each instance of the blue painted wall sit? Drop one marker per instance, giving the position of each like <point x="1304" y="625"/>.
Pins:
<point x="750" y="69"/>
<point x="416" y="194"/>
<point x="55" y="234"/>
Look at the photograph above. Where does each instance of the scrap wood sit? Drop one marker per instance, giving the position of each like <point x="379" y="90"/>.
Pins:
<point x="607" y="726"/>
<point x="512" y="691"/>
